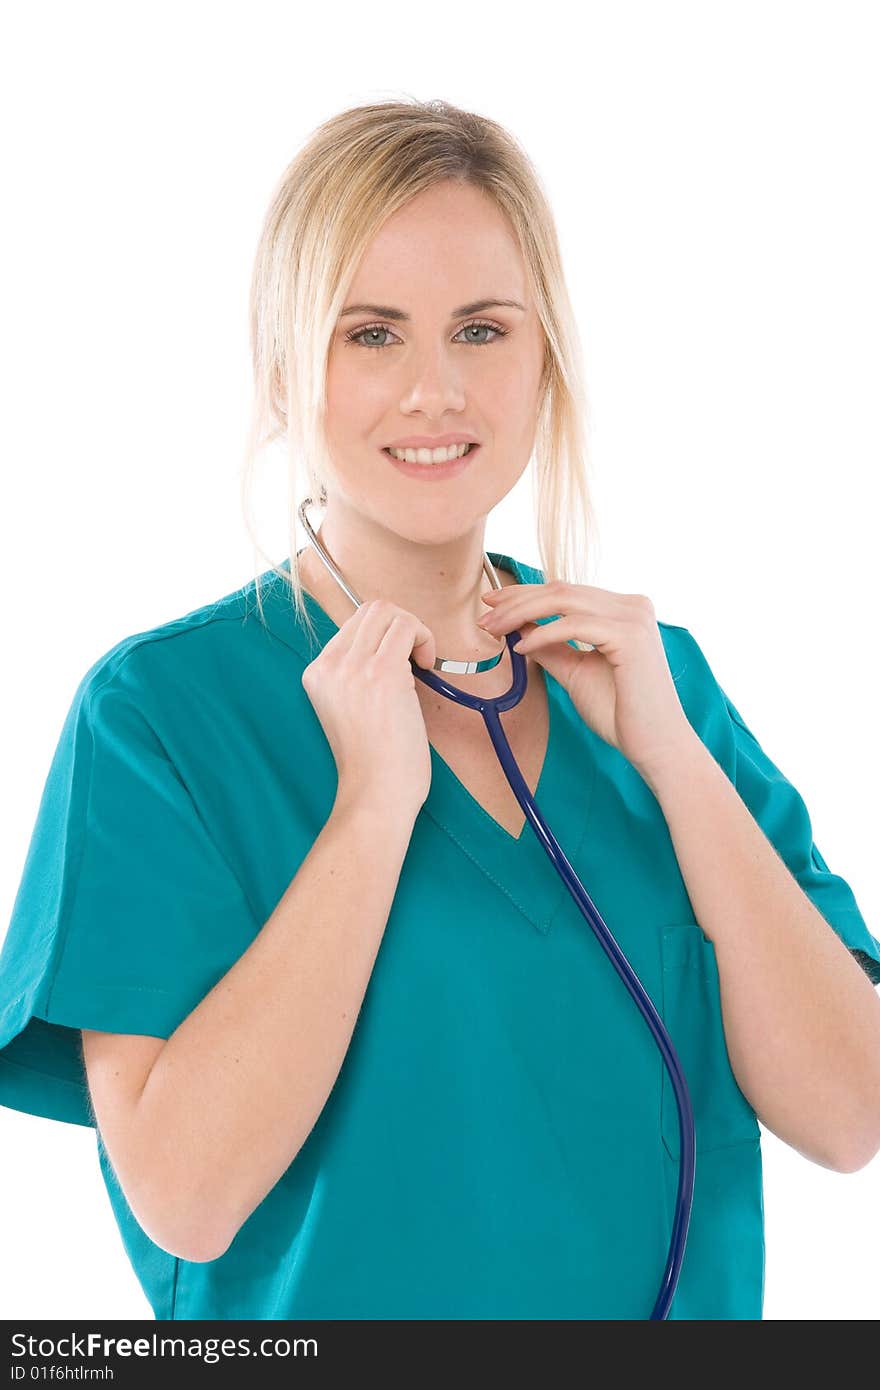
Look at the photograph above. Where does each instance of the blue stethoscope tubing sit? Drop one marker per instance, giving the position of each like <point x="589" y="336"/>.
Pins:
<point x="491" y="710"/>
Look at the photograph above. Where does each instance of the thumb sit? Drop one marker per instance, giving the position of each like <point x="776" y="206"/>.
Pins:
<point x="557" y="658"/>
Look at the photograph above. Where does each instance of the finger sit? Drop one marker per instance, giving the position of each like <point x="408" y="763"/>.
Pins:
<point x="519" y="601"/>
<point x="511" y="612"/>
<point x="423" y="650"/>
<point x="403" y="640"/>
<point x="375" y="617"/>
<point x="595" y="632"/>
<point x="493" y="595"/>
<point x="368" y="627"/>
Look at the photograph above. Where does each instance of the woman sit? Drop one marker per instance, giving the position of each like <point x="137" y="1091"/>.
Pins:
<point x="348" y="1046"/>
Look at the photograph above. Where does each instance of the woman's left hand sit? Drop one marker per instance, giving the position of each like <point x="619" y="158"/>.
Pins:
<point x="623" y="689"/>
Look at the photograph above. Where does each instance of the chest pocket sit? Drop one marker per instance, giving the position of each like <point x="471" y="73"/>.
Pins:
<point x="692" y="1017"/>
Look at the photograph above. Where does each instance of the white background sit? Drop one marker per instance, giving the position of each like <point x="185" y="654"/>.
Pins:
<point x="712" y="167"/>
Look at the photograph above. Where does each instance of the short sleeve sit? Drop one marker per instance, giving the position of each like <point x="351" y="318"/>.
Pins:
<point x="126" y="914"/>
<point x="779" y="809"/>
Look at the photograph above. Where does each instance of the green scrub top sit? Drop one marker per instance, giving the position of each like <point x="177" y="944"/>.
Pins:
<point x="502" y="1139"/>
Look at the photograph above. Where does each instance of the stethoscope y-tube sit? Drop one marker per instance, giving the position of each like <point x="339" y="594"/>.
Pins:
<point x="491" y="709"/>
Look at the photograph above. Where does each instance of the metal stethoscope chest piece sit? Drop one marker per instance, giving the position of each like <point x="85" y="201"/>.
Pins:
<point x="491" y="709"/>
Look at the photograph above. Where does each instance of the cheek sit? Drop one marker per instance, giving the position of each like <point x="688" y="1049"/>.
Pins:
<point x="509" y="383"/>
<point x="512" y="415"/>
<point x="352" y="389"/>
<point x="354" y="403"/>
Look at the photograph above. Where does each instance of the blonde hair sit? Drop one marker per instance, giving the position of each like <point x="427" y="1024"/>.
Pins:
<point x="355" y="170"/>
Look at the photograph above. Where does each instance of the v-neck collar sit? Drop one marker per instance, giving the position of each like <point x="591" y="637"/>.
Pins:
<point x="518" y="866"/>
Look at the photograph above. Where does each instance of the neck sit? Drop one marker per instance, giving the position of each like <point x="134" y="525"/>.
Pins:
<point x="440" y="583"/>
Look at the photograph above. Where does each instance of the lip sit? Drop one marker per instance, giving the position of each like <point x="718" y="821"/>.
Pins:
<point x="431" y="441"/>
<point x="433" y="472"/>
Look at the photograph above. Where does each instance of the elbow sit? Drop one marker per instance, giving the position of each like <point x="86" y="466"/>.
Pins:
<point x="195" y="1250"/>
<point x="861" y="1150"/>
<point x="174" y="1204"/>
<point x="206" y="1240"/>
<point x="203" y="1255"/>
<point x="855" y="1159"/>
<point x="201" y="1244"/>
<point x="856" y="1141"/>
<point x="197" y="1243"/>
<point x="202" y="1249"/>
<point x="195" y="1221"/>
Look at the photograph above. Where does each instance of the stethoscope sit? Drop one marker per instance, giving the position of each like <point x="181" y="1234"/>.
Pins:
<point x="491" y="710"/>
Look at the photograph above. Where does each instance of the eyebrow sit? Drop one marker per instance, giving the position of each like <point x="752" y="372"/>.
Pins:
<point x="383" y="311"/>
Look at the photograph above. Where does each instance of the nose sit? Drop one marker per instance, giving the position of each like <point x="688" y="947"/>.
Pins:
<point x="433" y="384"/>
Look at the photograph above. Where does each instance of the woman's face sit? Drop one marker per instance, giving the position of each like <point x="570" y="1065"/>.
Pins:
<point x="434" y="371"/>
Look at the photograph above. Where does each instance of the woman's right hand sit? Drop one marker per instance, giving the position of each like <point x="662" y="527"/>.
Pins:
<point x="364" y="693"/>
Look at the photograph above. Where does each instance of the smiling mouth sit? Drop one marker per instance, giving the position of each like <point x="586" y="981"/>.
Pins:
<point x="429" y="463"/>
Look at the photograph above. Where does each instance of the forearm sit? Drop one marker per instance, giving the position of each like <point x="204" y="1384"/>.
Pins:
<point x="801" y="1018"/>
<point x="238" y="1086"/>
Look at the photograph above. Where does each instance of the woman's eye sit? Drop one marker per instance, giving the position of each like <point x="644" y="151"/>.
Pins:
<point x="369" y="334"/>
<point x="480" y="327"/>
<point x="367" y="337"/>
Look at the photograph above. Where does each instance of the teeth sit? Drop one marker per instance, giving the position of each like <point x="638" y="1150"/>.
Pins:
<point x="429" y="456"/>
